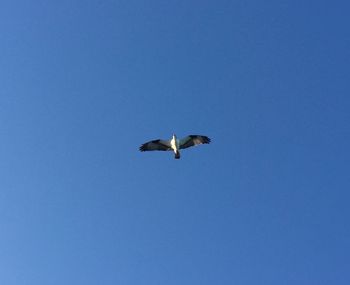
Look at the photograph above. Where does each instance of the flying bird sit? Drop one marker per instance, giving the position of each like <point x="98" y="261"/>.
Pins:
<point x="175" y="144"/>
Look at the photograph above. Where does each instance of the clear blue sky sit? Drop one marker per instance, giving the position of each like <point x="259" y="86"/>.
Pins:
<point x="84" y="83"/>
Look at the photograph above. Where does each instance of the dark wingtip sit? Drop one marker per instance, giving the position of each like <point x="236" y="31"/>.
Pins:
<point x="206" y="139"/>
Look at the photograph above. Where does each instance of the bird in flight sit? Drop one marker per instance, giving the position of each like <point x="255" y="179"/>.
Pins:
<point x="175" y="144"/>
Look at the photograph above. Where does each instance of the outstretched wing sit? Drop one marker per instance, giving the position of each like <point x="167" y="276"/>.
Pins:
<point x="155" y="145"/>
<point x="192" y="140"/>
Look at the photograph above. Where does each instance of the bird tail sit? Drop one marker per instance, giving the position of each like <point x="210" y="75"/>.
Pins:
<point x="177" y="154"/>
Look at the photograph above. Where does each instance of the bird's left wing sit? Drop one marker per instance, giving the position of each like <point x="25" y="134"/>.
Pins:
<point x="192" y="140"/>
<point x="155" y="145"/>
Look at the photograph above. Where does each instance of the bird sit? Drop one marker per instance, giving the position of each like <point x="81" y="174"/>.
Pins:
<point x="175" y="144"/>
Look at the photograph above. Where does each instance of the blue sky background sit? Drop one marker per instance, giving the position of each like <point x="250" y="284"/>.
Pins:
<point x="84" y="83"/>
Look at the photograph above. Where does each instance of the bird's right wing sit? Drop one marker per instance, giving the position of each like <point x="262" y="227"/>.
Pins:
<point x="156" y="145"/>
<point x="193" y="140"/>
